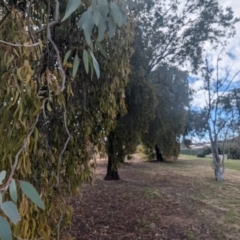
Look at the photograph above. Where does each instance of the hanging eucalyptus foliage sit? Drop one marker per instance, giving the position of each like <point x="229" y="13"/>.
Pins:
<point x="62" y="81"/>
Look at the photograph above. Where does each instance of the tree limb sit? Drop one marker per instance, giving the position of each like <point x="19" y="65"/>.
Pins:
<point x="19" y="45"/>
<point x="4" y="189"/>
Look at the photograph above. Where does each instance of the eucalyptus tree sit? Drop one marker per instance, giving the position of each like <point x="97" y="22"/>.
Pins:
<point x="123" y="139"/>
<point x="63" y="69"/>
<point x="165" y="130"/>
<point x="233" y="97"/>
<point x="166" y="35"/>
<point x="140" y="99"/>
<point x="219" y="118"/>
<point x="177" y="31"/>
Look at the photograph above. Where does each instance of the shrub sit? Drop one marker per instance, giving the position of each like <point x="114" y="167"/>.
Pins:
<point x="200" y="155"/>
<point x="234" y="152"/>
<point x="207" y="151"/>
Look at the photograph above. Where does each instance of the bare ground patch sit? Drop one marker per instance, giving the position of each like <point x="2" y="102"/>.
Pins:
<point x="158" y="201"/>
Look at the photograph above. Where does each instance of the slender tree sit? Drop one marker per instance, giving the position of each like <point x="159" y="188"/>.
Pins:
<point x="220" y="115"/>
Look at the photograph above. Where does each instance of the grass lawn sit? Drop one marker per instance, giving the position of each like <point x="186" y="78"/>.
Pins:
<point x="229" y="164"/>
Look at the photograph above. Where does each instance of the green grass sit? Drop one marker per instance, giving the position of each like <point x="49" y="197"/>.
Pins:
<point x="151" y="193"/>
<point x="229" y="164"/>
<point x="233" y="164"/>
<point x="231" y="217"/>
<point x="191" y="157"/>
<point x="191" y="235"/>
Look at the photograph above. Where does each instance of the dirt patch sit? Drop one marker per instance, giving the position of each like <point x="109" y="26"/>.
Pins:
<point x="154" y="201"/>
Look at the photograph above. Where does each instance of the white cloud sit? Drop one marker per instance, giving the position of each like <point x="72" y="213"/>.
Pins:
<point x="199" y="99"/>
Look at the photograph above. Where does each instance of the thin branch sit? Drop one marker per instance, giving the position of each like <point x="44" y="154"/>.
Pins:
<point x="3" y="189"/>
<point x="6" y="6"/>
<point x="230" y="82"/>
<point x="218" y="59"/>
<point x="62" y="73"/>
<point x="51" y="24"/>
<point x="56" y="14"/>
<point x="3" y="19"/>
<point x="19" y="45"/>
<point x="58" y="226"/>
<point x="49" y="37"/>
<point x="64" y="147"/>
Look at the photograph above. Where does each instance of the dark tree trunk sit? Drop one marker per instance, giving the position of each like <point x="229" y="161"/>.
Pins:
<point x="158" y="154"/>
<point x="112" y="172"/>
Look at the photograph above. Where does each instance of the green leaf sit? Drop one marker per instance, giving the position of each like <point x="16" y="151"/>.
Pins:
<point x="2" y="175"/>
<point x="67" y="56"/>
<point x="76" y="63"/>
<point x="124" y="5"/>
<point x="86" y="61"/>
<point x="86" y="23"/>
<point x="131" y="4"/>
<point x="91" y="68"/>
<point x="124" y="17"/>
<point x="72" y="6"/>
<point x="0" y="198"/>
<point x="116" y="14"/>
<point x="5" y="230"/>
<point x="101" y="28"/>
<point x="99" y="45"/>
<point x="32" y="194"/>
<point x="103" y="8"/>
<point x="11" y="211"/>
<point x="13" y="190"/>
<point x="96" y="12"/>
<point x="95" y="65"/>
<point x="111" y="27"/>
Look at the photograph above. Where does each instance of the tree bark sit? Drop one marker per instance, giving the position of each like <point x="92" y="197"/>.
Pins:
<point x="158" y="154"/>
<point x="218" y="163"/>
<point x="112" y="171"/>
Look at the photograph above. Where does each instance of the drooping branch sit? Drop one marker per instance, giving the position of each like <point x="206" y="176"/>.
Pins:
<point x="20" y="45"/>
<point x="49" y="37"/>
<point x="24" y="146"/>
<point x="65" y="145"/>
<point x="3" y="19"/>
<point x="62" y="73"/>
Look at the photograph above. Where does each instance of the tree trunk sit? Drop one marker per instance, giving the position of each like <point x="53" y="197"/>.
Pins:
<point x="158" y="154"/>
<point x="218" y="163"/>
<point x="112" y="172"/>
